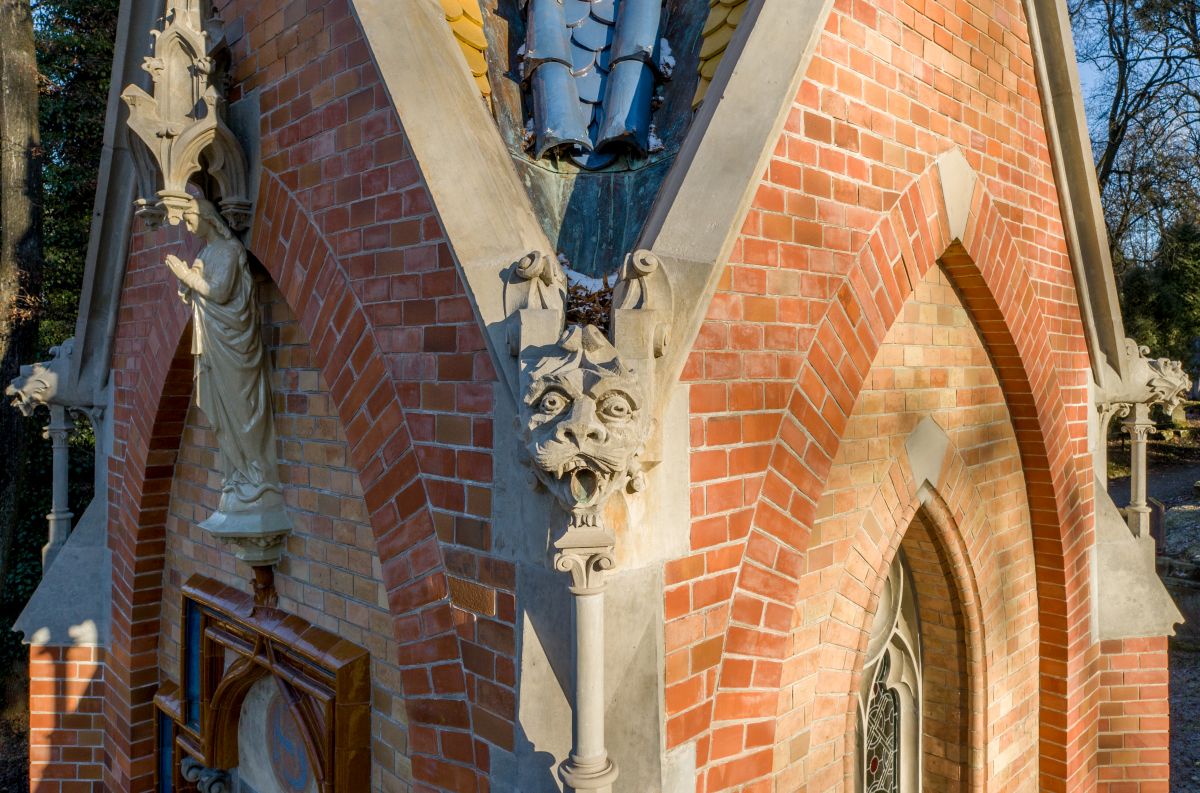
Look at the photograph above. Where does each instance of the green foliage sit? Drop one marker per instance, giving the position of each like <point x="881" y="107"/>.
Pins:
<point x="75" y="50"/>
<point x="1161" y="300"/>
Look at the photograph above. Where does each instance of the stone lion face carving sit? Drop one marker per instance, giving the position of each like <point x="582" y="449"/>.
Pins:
<point x="30" y="389"/>
<point x="584" y="423"/>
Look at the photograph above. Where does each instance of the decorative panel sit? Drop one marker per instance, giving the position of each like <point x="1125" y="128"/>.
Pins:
<point x="314" y="687"/>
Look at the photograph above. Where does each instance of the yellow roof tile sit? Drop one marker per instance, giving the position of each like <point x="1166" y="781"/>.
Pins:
<point x="716" y="42"/>
<point x="469" y="33"/>
<point x="723" y="19"/>
<point x="465" y="18"/>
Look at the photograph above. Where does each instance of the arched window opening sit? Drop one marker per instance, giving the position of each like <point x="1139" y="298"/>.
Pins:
<point x="889" y="701"/>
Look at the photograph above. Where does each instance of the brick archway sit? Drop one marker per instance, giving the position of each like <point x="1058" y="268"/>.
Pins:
<point x="153" y="393"/>
<point x="998" y="292"/>
<point x="951" y="516"/>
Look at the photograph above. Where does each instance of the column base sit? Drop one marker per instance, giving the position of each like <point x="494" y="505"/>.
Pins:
<point x="596" y="777"/>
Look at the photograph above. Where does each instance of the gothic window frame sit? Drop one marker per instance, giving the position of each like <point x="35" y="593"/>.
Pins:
<point x="892" y="669"/>
<point x="227" y="644"/>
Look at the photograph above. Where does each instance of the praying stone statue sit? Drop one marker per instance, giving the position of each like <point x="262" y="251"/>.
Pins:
<point x="232" y="387"/>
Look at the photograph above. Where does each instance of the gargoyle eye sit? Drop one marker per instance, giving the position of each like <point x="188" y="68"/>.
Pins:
<point x="616" y="408"/>
<point x="552" y="403"/>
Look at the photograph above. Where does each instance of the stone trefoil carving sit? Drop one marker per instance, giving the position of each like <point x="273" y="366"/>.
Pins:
<point x="232" y="387"/>
<point x="1150" y="382"/>
<point x="180" y="132"/>
<point x="587" y="417"/>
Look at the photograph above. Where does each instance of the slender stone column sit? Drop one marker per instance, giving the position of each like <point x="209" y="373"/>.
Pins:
<point x="588" y="768"/>
<point x="60" y="515"/>
<point x="1139" y="426"/>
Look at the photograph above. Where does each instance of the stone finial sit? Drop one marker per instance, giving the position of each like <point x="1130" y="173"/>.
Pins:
<point x="180" y="129"/>
<point x="585" y="423"/>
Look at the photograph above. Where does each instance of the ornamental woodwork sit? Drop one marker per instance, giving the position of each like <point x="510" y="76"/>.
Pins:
<point x="228" y="645"/>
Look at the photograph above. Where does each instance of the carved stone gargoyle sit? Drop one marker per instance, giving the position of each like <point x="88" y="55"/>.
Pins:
<point x="1150" y="381"/>
<point x="51" y="382"/>
<point x="180" y="132"/>
<point x="586" y="420"/>
<point x="587" y="410"/>
<point x="586" y="404"/>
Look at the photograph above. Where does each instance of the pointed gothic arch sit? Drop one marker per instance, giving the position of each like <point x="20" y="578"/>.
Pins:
<point x="153" y="395"/>
<point x="946" y="216"/>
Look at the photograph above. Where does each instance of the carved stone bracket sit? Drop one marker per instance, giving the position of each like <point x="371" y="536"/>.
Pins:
<point x="180" y="130"/>
<point x="52" y="384"/>
<point x="642" y="305"/>
<point x="1149" y="382"/>
<point x="535" y="294"/>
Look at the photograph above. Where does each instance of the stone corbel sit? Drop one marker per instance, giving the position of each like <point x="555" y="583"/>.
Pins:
<point x="206" y="780"/>
<point x="180" y="130"/>
<point x="588" y="409"/>
<point x="52" y="384"/>
<point x="1149" y="382"/>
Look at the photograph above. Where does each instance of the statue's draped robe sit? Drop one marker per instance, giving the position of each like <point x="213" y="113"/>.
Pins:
<point x="231" y="374"/>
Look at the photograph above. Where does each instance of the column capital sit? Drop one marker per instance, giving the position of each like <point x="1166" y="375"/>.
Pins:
<point x="586" y="566"/>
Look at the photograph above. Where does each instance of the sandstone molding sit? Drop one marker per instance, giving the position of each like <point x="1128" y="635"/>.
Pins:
<point x="182" y="124"/>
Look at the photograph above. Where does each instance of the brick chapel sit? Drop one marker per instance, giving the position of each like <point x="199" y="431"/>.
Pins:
<point x="608" y="396"/>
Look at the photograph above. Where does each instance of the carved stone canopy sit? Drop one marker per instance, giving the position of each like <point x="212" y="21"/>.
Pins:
<point x="180" y="131"/>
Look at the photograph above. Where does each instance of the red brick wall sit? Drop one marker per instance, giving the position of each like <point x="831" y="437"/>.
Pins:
<point x="1134" y="717"/>
<point x="846" y="222"/>
<point x="345" y="226"/>
<point x="330" y="573"/>
<point x="66" y="690"/>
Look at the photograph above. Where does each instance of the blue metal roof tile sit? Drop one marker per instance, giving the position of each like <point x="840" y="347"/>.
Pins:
<point x="603" y="100"/>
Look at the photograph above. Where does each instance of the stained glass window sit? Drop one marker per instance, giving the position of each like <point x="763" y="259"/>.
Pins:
<point x="881" y="739"/>
<point x="889" y="713"/>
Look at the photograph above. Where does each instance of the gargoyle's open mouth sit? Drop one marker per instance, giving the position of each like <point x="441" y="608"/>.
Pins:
<point x="585" y="483"/>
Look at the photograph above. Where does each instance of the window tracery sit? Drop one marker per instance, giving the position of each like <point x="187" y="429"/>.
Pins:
<point x="889" y="700"/>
